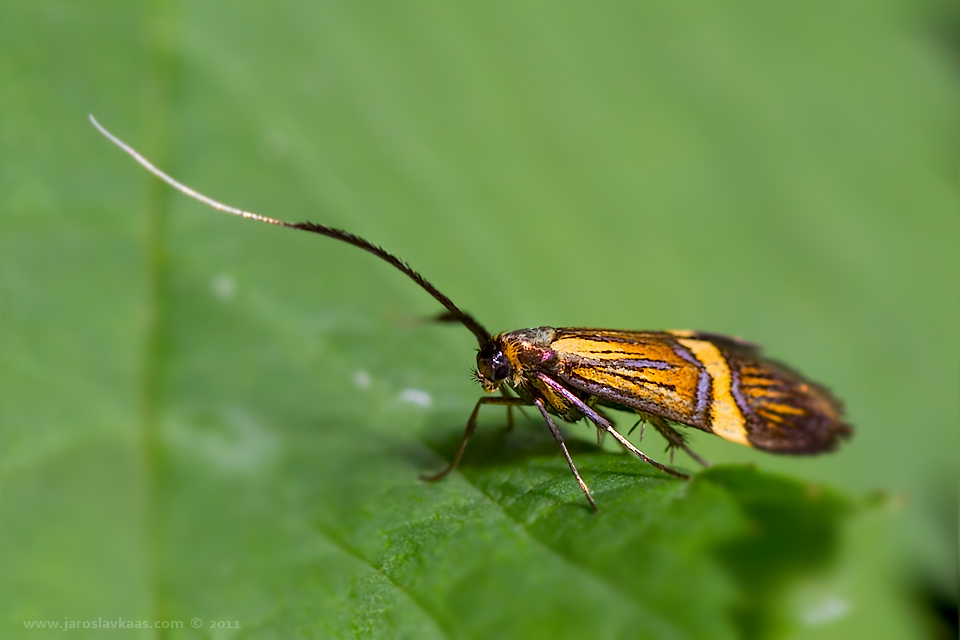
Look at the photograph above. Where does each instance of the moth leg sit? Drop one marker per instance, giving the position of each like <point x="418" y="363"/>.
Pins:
<point x="510" y="423"/>
<point x="471" y="427"/>
<point x="642" y="423"/>
<point x="556" y="434"/>
<point x="675" y="439"/>
<point x="597" y="419"/>
<point x="602" y="432"/>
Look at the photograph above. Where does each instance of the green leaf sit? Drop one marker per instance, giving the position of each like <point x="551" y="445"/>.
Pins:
<point x="792" y="535"/>
<point x="202" y="418"/>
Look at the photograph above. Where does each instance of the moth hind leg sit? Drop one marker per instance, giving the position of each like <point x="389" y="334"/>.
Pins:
<point x="675" y="439"/>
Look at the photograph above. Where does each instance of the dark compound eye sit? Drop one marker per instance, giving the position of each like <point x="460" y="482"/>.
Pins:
<point x="493" y="364"/>
<point x="501" y="368"/>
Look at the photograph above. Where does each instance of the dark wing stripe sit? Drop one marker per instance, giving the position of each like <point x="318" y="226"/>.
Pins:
<point x="625" y="376"/>
<point x="785" y="412"/>
<point x="638" y="364"/>
<point x="601" y="336"/>
<point x="703" y="380"/>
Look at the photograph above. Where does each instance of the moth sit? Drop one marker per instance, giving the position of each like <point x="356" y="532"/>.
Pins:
<point x="706" y="381"/>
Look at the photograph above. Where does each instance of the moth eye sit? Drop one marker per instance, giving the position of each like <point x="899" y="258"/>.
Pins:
<point x="493" y="364"/>
<point x="501" y="370"/>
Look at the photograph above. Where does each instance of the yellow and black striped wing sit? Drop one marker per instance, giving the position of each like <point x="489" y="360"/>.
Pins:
<point x="711" y="382"/>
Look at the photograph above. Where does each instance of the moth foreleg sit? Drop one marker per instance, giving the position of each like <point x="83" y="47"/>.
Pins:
<point x="505" y="391"/>
<point x="471" y="427"/>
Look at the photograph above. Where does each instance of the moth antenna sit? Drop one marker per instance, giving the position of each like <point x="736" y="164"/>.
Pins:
<point x="453" y="312"/>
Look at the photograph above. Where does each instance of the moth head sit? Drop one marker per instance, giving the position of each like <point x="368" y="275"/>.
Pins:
<point x="493" y="366"/>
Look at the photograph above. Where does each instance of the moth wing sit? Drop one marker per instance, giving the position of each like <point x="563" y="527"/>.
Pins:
<point x="644" y="370"/>
<point x="716" y="383"/>
<point x="784" y="411"/>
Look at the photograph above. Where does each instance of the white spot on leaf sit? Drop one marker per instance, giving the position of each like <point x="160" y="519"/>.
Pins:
<point x="417" y="397"/>
<point x="231" y="439"/>
<point x="224" y="287"/>
<point x="825" y="611"/>
<point x="362" y="379"/>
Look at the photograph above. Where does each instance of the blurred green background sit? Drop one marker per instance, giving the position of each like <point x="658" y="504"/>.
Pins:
<point x="204" y="418"/>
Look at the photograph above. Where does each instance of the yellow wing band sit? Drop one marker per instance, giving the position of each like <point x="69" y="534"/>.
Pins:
<point x="726" y="420"/>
